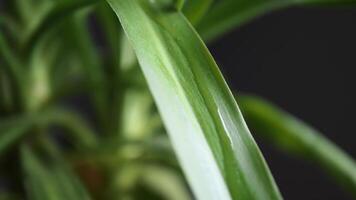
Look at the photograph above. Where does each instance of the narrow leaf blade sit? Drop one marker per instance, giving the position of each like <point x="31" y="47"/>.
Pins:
<point x="11" y="134"/>
<point x="218" y="154"/>
<point x="51" y="182"/>
<point x="57" y="13"/>
<point x="12" y="129"/>
<point x="195" y="10"/>
<point x="227" y="14"/>
<point x="295" y="137"/>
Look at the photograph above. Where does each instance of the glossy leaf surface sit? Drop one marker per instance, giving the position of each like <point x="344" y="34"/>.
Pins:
<point x="215" y="148"/>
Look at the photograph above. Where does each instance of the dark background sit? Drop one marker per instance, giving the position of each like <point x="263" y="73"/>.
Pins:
<point x="302" y="59"/>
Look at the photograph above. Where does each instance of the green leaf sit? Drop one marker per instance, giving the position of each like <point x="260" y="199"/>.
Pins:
<point x="216" y="150"/>
<point x="138" y="121"/>
<point x="13" y="66"/>
<point x="227" y="14"/>
<point x="10" y="132"/>
<point x="53" y="181"/>
<point x="10" y="25"/>
<point x="295" y="137"/>
<point x="29" y="11"/>
<point x="165" y="181"/>
<point x="6" y="93"/>
<point x="43" y="57"/>
<point x="8" y="196"/>
<point x="77" y="128"/>
<point x="113" y="35"/>
<point x="93" y="68"/>
<point x="57" y="13"/>
<point x="14" y="128"/>
<point x="195" y="10"/>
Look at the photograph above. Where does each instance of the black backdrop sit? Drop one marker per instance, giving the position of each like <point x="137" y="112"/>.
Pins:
<point x="302" y="59"/>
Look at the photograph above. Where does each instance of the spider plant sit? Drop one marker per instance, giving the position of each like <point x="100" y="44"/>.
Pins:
<point x="121" y="99"/>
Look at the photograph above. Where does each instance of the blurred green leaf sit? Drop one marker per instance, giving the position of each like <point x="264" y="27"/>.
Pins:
<point x="31" y="10"/>
<point x="57" y="12"/>
<point x="83" y="135"/>
<point x="227" y="14"/>
<point x="138" y="121"/>
<point x="112" y="34"/>
<point x="9" y="24"/>
<point x="10" y="132"/>
<point x="165" y="182"/>
<point x="195" y="10"/>
<point x="13" y="66"/>
<point x="202" y="117"/>
<point x="7" y="100"/>
<point x="8" y="196"/>
<point x="93" y="66"/>
<point x="42" y="58"/>
<point x="14" y="128"/>
<point x="50" y="181"/>
<point x="295" y="137"/>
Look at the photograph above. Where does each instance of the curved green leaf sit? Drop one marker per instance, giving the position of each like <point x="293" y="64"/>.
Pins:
<point x="53" y="181"/>
<point x="216" y="150"/>
<point x="13" y="66"/>
<point x="10" y="25"/>
<point x="195" y="10"/>
<point x="165" y="181"/>
<point x="80" y="130"/>
<point x="227" y="14"/>
<point x="14" y="128"/>
<point x="92" y="64"/>
<point x="10" y="133"/>
<point x="57" y="13"/>
<point x="294" y="137"/>
<point x="6" y="93"/>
